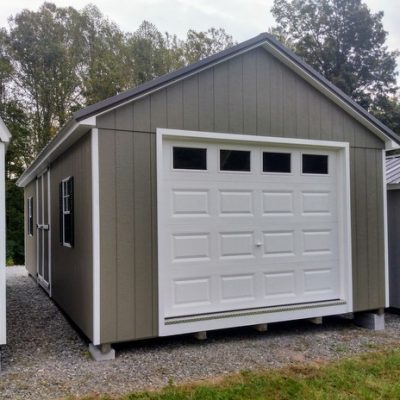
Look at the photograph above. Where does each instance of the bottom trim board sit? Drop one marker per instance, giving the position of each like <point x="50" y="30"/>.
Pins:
<point x="245" y="313"/>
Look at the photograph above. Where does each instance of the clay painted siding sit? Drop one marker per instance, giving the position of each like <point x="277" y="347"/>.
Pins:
<point x="251" y="94"/>
<point x="72" y="268"/>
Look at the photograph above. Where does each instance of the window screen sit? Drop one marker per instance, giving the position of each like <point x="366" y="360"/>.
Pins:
<point x="30" y="216"/>
<point x="276" y="162"/>
<point x="315" y="164"/>
<point x="189" y="158"/>
<point x="66" y="193"/>
<point x="234" y="160"/>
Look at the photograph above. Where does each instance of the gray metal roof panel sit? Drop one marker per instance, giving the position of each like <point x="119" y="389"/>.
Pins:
<point x="393" y="169"/>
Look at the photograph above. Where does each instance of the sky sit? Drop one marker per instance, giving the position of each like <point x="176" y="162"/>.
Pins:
<point x="242" y="19"/>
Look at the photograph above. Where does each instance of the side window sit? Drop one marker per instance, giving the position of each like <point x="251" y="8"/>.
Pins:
<point x="276" y="162"/>
<point x="315" y="164"/>
<point x="66" y="204"/>
<point x="30" y="216"/>
<point x="234" y="160"/>
<point x="189" y="158"/>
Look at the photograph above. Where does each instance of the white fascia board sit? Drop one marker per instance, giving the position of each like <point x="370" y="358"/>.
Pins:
<point x="65" y="138"/>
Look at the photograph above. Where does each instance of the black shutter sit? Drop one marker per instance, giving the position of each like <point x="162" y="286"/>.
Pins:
<point x="60" y="206"/>
<point x="71" y="204"/>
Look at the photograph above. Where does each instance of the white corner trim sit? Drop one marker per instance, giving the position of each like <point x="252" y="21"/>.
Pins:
<point x="96" y="234"/>
<point x="385" y="229"/>
<point x="3" y="331"/>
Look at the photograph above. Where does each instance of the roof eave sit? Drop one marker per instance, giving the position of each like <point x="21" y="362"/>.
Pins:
<point x="68" y="135"/>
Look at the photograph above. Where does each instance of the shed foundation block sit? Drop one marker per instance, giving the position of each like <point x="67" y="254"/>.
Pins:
<point x="370" y="320"/>
<point x="200" y="335"/>
<point x="261" y="327"/>
<point x="316" y="320"/>
<point x="103" y="352"/>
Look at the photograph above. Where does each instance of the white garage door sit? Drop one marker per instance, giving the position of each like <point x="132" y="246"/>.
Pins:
<point x="247" y="226"/>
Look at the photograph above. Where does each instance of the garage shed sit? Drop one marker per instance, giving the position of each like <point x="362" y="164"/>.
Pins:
<point x="240" y="190"/>
<point x="393" y="204"/>
<point x="5" y="137"/>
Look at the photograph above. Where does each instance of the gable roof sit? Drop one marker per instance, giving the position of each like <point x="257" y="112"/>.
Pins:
<point x="261" y="39"/>
<point x="85" y="119"/>
<point x="393" y="170"/>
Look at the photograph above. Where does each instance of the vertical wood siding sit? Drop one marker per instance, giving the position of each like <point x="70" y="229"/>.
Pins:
<point x="393" y="199"/>
<point x="72" y="268"/>
<point x="30" y="241"/>
<point x="250" y="94"/>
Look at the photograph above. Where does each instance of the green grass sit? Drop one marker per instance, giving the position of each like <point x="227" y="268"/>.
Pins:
<point x="371" y="376"/>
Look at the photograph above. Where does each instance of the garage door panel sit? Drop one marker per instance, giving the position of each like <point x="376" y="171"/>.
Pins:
<point x="279" y="243"/>
<point x="237" y="245"/>
<point x="242" y="240"/>
<point x="234" y="202"/>
<point x="238" y="288"/>
<point x="190" y="247"/>
<point x="278" y="203"/>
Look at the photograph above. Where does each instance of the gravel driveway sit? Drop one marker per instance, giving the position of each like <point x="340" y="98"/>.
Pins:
<point x="47" y="359"/>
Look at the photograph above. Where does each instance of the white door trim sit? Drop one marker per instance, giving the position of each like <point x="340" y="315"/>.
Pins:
<point x="344" y="228"/>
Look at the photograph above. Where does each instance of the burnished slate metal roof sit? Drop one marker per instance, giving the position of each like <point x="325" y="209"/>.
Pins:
<point x="82" y="120"/>
<point x="393" y="169"/>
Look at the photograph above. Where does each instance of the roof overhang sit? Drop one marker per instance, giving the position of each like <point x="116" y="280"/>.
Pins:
<point x="85" y="119"/>
<point x="67" y="136"/>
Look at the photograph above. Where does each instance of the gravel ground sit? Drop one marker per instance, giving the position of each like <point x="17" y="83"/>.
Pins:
<point x="47" y="359"/>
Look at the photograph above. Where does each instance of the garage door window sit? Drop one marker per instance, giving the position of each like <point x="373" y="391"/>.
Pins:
<point x="276" y="162"/>
<point x="234" y="160"/>
<point x="315" y="164"/>
<point x="189" y="158"/>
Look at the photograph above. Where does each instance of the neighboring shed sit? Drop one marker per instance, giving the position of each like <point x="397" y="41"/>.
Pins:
<point x="393" y="209"/>
<point x="5" y="137"/>
<point x="240" y="190"/>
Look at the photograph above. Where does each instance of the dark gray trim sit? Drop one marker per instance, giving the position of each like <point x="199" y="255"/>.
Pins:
<point x="257" y="40"/>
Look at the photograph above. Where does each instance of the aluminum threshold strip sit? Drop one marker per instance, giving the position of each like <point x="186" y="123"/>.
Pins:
<point x="251" y="312"/>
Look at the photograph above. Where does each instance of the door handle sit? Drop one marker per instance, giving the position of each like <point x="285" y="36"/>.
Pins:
<point x="258" y="244"/>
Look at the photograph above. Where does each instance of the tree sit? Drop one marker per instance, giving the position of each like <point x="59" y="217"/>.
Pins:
<point x="199" y="45"/>
<point x="46" y="52"/>
<point x="344" y="41"/>
<point x="108" y="69"/>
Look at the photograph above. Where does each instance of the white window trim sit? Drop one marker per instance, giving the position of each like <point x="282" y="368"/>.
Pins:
<point x="344" y="228"/>
<point x="30" y="215"/>
<point x="64" y="184"/>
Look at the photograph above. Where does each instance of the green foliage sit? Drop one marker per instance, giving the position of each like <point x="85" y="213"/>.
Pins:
<point x="344" y="41"/>
<point x="56" y="60"/>
<point x="199" y="45"/>
<point x="372" y="376"/>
